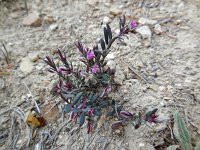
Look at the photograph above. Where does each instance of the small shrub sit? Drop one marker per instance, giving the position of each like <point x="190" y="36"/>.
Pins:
<point x="86" y="89"/>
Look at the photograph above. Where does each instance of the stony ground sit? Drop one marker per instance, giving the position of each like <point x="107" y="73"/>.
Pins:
<point x="158" y="67"/>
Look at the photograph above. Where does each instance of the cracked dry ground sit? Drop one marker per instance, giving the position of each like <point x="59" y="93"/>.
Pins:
<point x="168" y="64"/>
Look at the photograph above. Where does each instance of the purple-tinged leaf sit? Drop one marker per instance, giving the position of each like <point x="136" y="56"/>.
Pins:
<point x="117" y="125"/>
<point x="61" y="56"/>
<point x="125" y="115"/>
<point x="89" y="128"/>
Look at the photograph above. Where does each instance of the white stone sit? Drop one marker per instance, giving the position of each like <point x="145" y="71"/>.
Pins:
<point x="115" y="11"/>
<point x="32" y="19"/>
<point x="119" y="76"/>
<point x="53" y="27"/>
<point x="158" y="29"/>
<point x="26" y="66"/>
<point x="144" y="21"/>
<point x="110" y="56"/>
<point x="111" y="64"/>
<point x="106" y="20"/>
<point x="144" y="31"/>
<point x="34" y="56"/>
<point x="92" y="2"/>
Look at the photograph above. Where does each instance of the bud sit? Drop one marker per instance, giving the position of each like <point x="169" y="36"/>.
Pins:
<point x="126" y="115"/>
<point x="117" y="125"/>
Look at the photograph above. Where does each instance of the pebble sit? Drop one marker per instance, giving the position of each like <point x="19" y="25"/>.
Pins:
<point x="34" y="56"/>
<point x="53" y="27"/>
<point x="143" y="21"/>
<point x="106" y="20"/>
<point x="115" y="11"/>
<point x="158" y="29"/>
<point x="48" y="20"/>
<point x="110" y="56"/>
<point x="144" y="31"/>
<point x="119" y="76"/>
<point x="33" y="20"/>
<point x="111" y="64"/>
<point x="162" y="104"/>
<point x="92" y="2"/>
<point x="14" y="15"/>
<point x="26" y="66"/>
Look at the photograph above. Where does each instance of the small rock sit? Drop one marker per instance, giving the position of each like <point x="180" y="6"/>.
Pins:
<point x="34" y="56"/>
<point x="2" y="84"/>
<point x="26" y="66"/>
<point x="48" y="20"/>
<point x="106" y="20"/>
<point x="147" y="21"/>
<point x="154" y="87"/>
<point x="92" y="2"/>
<point x="158" y="29"/>
<point x="115" y="11"/>
<point x="144" y="31"/>
<point x="162" y="104"/>
<point x="110" y="56"/>
<point x="53" y="27"/>
<point x="32" y="20"/>
<point x="111" y="64"/>
<point x="14" y="15"/>
<point x="160" y="126"/>
<point x="119" y="76"/>
<point x="141" y="144"/>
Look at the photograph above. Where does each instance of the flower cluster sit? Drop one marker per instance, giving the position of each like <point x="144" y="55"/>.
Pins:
<point x="85" y="90"/>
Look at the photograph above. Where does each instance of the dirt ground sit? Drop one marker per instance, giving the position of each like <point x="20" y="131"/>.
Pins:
<point x="162" y="70"/>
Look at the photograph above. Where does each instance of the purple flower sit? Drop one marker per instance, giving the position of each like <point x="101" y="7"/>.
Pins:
<point x="90" y="55"/>
<point x="150" y="115"/>
<point x="95" y="69"/>
<point x="90" y="112"/>
<point x="133" y="24"/>
<point x="89" y="127"/>
<point x="153" y="119"/>
<point x="126" y="115"/>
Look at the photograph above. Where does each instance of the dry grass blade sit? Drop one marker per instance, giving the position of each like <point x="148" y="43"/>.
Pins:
<point x="5" y="53"/>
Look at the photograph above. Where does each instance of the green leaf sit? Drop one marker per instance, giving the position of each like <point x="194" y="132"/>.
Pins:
<point x="76" y="110"/>
<point x="197" y="146"/>
<point x="67" y="96"/>
<point x="82" y="119"/>
<point x="77" y="97"/>
<point x="103" y="46"/>
<point x="97" y="112"/>
<point x="109" y="31"/>
<point x="181" y="133"/>
<point x="94" y="97"/>
<point x="67" y="108"/>
<point x="105" y="35"/>
<point x="172" y="147"/>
